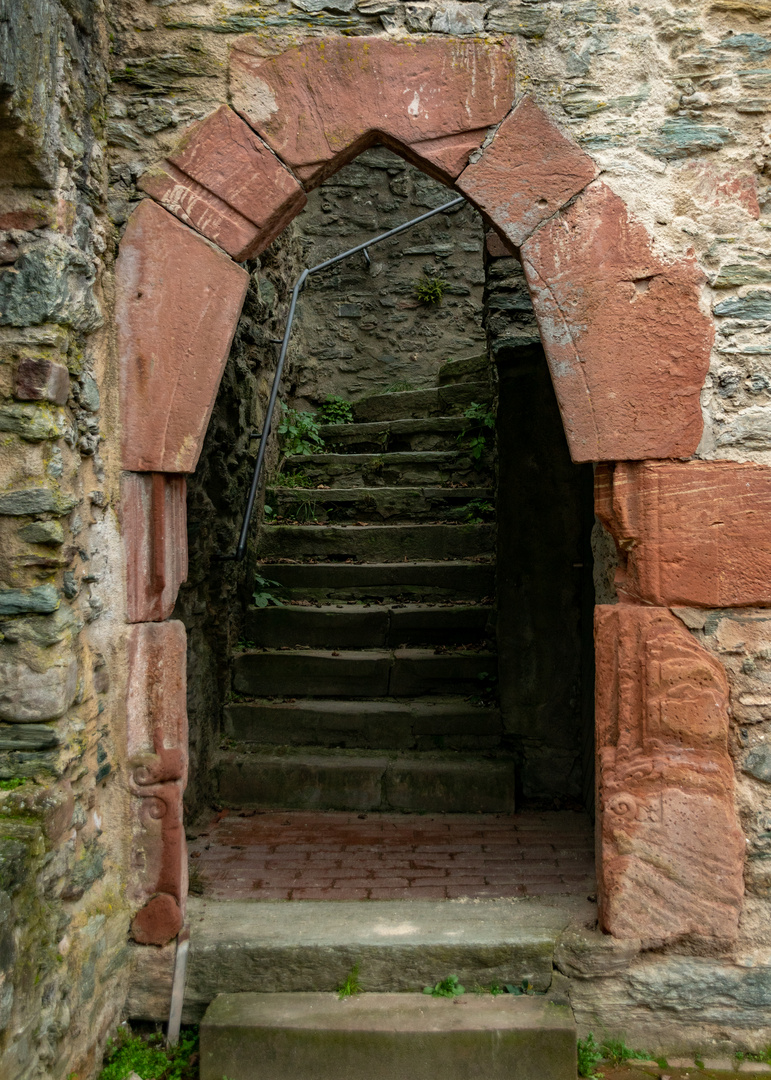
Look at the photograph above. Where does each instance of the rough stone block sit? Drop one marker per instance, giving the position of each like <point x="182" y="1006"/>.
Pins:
<point x="626" y="340"/>
<point x="527" y="173"/>
<point x="178" y="302"/>
<point x="690" y="533"/>
<point x="224" y="182"/>
<point x="154" y="520"/>
<point x="383" y="1036"/>
<point x="43" y="690"/>
<point x="157" y="748"/>
<point x="321" y="104"/>
<point x="670" y="849"/>
<point x="42" y="380"/>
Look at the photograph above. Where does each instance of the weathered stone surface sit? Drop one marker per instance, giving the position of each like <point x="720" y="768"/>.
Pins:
<point x="627" y="343"/>
<point x="154" y="520"/>
<point x="690" y="533"/>
<point x="41" y="599"/>
<point x="157" y="748"/>
<point x="49" y="533"/>
<point x="45" y="691"/>
<point x="225" y="182"/>
<point x="33" y="422"/>
<point x="320" y="104"/>
<point x="28" y="737"/>
<point x="527" y="173"/>
<point x="396" y="1034"/>
<point x="178" y="300"/>
<point x="38" y="379"/>
<point x="757" y="763"/>
<point x="37" y="500"/>
<point x="51" y="283"/>
<point x="670" y="849"/>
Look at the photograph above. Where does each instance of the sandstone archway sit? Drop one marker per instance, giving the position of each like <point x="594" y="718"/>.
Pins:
<point x="628" y="349"/>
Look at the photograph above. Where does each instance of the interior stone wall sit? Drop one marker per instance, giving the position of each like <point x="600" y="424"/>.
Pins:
<point x="670" y="100"/>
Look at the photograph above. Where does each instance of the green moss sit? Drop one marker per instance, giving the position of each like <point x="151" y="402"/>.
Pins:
<point x="149" y="1057"/>
<point x="13" y="783"/>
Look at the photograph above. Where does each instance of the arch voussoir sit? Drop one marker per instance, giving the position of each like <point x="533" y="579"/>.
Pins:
<point x="321" y="103"/>
<point x="627" y="343"/>
<point x="225" y="183"/>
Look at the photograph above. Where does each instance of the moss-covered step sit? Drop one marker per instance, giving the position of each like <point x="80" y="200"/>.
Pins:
<point x="377" y="436"/>
<point x="439" y="401"/>
<point x="399" y="945"/>
<point x="366" y="673"/>
<point x="416" y="581"/>
<point x="376" y="543"/>
<point x="389" y="724"/>
<point x="387" y="1036"/>
<point x="311" y="778"/>
<point x="382" y="504"/>
<point x="410" y="469"/>
<point x="354" y="626"/>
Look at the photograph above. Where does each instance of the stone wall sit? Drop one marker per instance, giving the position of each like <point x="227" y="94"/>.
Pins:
<point x="672" y="103"/>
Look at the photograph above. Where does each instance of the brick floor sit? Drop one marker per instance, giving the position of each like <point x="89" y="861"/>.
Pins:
<point x="296" y="855"/>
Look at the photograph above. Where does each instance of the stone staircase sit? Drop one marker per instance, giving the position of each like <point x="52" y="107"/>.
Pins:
<point x="370" y="687"/>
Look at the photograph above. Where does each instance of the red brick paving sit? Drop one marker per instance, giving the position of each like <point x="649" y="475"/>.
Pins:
<point x="296" y="855"/>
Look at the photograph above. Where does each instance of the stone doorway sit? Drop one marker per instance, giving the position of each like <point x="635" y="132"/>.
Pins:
<point x="627" y="348"/>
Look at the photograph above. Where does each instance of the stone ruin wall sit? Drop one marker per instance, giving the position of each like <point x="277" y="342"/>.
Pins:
<point x="671" y="100"/>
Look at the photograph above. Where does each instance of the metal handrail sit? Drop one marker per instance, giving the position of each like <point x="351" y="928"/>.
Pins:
<point x="241" y="548"/>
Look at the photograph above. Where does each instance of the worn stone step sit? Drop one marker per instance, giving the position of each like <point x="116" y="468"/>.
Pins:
<point x="367" y="673"/>
<point x="438" y="401"/>
<point x="375" y="626"/>
<point x="378" y="436"/>
<point x="310" y="778"/>
<point x="387" y="1037"/>
<point x="383" y="504"/>
<point x="420" y="581"/>
<point x="387" y="724"/>
<point x="415" y="468"/>
<point x="376" y="543"/>
<point x="399" y="945"/>
<point x="466" y="369"/>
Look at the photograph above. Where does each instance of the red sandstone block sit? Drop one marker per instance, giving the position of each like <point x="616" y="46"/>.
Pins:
<point x="627" y="342"/>
<point x="695" y="533"/>
<point x="42" y="380"/>
<point x="154" y="523"/>
<point x="670" y="849"/>
<point x="224" y="182"/>
<point x="322" y="103"/>
<point x="527" y="173"/>
<point x="177" y="304"/>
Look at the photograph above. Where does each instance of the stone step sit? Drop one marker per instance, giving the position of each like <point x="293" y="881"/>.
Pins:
<point x="301" y="673"/>
<point x="381" y="504"/>
<point x="400" y="945"/>
<point x="419" y="581"/>
<point x="376" y="543"/>
<point x="426" y="467"/>
<point x="367" y="627"/>
<point x="467" y="369"/>
<point x="438" y="401"/>
<point x="310" y="778"/>
<point x="387" y="724"/>
<point x="387" y="1037"/>
<point x="379" y="436"/>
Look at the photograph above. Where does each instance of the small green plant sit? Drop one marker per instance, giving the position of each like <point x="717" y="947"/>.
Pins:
<point x="617" y="1052"/>
<point x="478" y="511"/>
<point x="430" y="290"/>
<point x="350" y="984"/>
<point x="525" y="987"/>
<point x="336" y="410"/>
<point x="304" y="509"/>
<point x="299" y="432"/>
<point x="13" y="783"/>
<point x="262" y="596"/>
<point x="446" y="988"/>
<point x="399" y="387"/>
<point x="478" y="429"/>
<point x="291" y="480"/>
<point x="589" y="1056"/>
<point x="150" y="1058"/>
<point x="747" y="1055"/>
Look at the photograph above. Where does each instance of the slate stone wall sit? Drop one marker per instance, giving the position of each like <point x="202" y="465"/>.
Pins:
<point x="672" y="103"/>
